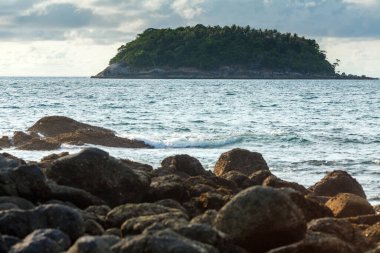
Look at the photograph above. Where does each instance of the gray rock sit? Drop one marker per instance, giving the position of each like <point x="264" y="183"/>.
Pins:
<point x="94" y="244"/>
<point x="41" y="241"/>
<point x="94" y="171"/>
<point x="261" y="218"/>
<point x="124" y="212"/>
<point x="22" y="222"/>
<point x="163" y="241"/>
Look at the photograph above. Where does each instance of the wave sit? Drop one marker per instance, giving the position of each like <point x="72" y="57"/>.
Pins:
<point x="192" y="142"/>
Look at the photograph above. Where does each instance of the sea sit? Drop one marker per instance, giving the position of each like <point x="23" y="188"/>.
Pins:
<point x="303" y="128"/>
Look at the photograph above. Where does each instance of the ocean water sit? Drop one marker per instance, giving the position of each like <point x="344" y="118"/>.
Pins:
<point x="303" y="128"/>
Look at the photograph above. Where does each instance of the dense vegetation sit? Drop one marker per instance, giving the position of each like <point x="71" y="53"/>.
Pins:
<point x="213" y="47"/>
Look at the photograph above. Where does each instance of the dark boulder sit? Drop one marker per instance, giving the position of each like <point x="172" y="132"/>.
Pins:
<point x="185" y="164"/>
<point x="6" y="242"/>
<point x="337" y="182"/>
<point x="258" y="177"/>
<point x="261" y="218"/>
<point x="94" y="171"/>
<point x="275" y="182"/>
<point x="373" y="233"/>
<point x="349" y="205"/>
<point x="244" y="161"/>
<point x="43" y="241"/>
<point x="5" y="142"/>
<point x="20" y="203"/>
<point x="94" y="244"/>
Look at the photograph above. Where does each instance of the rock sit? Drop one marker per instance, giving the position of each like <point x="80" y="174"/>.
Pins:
<point x="91" y="227"/>
<point x="370" y="219"/>
<point x="261" y="218"/>
<point x="59" y="129"/>
<point x="373" y="233"/>
<point x="26" y="181"/>
<point x="336" y="182"/>
<point x="349" y="205"/>
<point x="114" y="232"/>
<point x="239" y="178"/>
<point x="8" y="161"/>
<point x="310" y="208"/>
<point x="6" y="242"/>
<point x="162" y="241"/>
<point x="20" y="223"/>
<point x="137" y="166"/>
<point x="275" y="182"/>
<point x="171" y="203"/>
<point x="73" y="195"/>
<point x="137" y="225"/>
<point x="316" y="242"/>
<point x="98" y="210"/>
<point x="211" y="200"/>
<point x="39" y="144"/>
<point x="127" y="211"/>
<point x="5" y="142"/>
<point x="258" y="177"/>
<point x="46" y="161"/>
<point x="184" y="163"/>
<point x="43" y="240"/>
<point x="341" y="229"/>
<point x="210" y="183"/>
<point x="94" y="171"/>
<point x="240" y="160"/>
<point x="20" y="203"/>
<point x="164" y="188"/>
<point x="94" y="244"/>
<point x="20" y="138"/>
<point x="208" y="217"/>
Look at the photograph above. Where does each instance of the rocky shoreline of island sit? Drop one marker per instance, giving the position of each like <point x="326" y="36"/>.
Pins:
<point x="124" y="71"/>
<point x="93" y="202"/>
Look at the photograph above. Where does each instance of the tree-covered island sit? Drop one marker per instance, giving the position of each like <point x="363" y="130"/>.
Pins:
<point x="220" y="52"/>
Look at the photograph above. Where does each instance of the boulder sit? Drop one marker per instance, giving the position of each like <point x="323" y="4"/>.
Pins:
<point x="26" y="181"/>
<point x="349" y="205"/>
<point x="163" y="187"/>
<point x="316" y="242"/>
<point x="162" y="241"/>
<point x="94" y="244"/>
<point x="8" y="161"/>
<point x="275" y="182"/>
<point x="336" y="182"/>
<point x="20" y="223"/>
<point x="6" y="242"/>
<point x="59" y="129"/>
<point x="41" y="241"/>
<point x="185" y="164"/>
<point x="369" y="220"/>
<point x="373" y="233"/>
<point x="46" y="161"/>
<point x="91" y="227"/>
<point x="261" y="218"/>
<point x="127" y="211"/>
<point x="208" y="217"/>
<point x="78" y="197"/>
<point x="241" y="180"/>
<point x="20" y="203"/>
<point x="258" y="177"/>
<point x="244" y="161"/>
<point x="94" y="171"/>
<point x="5" y="142"/>
<point x="341" y="229"/>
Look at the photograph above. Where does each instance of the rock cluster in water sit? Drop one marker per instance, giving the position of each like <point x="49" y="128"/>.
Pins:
<point x="51" y="132"/>
<point x="93" y="202"/>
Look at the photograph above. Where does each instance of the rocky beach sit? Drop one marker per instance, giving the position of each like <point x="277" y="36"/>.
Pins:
<point x="93" y="202"/>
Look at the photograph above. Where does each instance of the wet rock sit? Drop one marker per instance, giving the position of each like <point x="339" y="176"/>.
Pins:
<point x="6" y="242"/>
<point x="124" y="212"/>
<point x="373" y="233"/>
<point x="184" y="163"/>
<point x="22" y="222"/>
<point x="261" y="218"/>
<point x="208" y="217"/>
<point x="39" y="144"/>
<point x="316" y="242"/>
<point x="20" y="138"/>
<point x="240" y="160"/>
<point x="162" y="241"/>
<point x="41" y="241"/>
<point x="76" y="196"/>
<point x="275" y="182"/>
<point x="137" y="225"/>
<point x="341" y="229"/>
<point x="349" y="205"/>
<point x="94" y="244"/>
<point x="26" y="181"/>
<point x="20" y="203"/>
<point x="61" y="129"/>
<point x="94" y="171"/>
<point x="337" y="182"/>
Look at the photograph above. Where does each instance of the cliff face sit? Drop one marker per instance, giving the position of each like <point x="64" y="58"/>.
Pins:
<point x="122" y="70"/>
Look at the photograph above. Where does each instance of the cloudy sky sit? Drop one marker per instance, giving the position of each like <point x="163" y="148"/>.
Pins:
<point x="77" y="38"/>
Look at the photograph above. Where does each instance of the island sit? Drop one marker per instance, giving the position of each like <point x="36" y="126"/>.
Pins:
<point x="215" y="52"/>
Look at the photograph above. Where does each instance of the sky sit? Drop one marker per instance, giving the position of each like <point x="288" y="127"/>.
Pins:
<point x="77" y="38"/>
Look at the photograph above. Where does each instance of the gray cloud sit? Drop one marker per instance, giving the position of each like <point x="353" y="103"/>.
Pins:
<point x="106" y="21"/>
